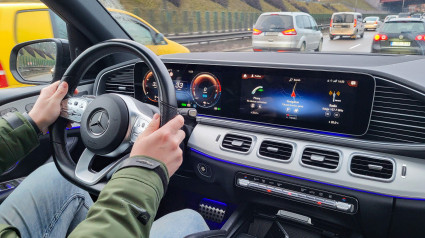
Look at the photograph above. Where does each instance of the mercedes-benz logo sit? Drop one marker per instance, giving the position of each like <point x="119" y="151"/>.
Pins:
<point x="99" y="122"/>
<point x="401" y="37"/>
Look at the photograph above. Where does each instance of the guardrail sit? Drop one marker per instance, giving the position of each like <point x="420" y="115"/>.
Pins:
<point x="214" y="37"/>
<point x="209" y="37"/>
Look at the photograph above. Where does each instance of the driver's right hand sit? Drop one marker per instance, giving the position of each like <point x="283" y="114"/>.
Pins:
<point x="162" y="143"/>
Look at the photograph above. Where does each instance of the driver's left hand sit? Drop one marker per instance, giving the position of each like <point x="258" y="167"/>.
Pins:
<point x="48" y="105"/>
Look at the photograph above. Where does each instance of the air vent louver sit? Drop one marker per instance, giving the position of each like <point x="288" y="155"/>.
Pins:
<point x="237" y="143"/>
<point x="372" y="167"/>
<point x="276" y="150"/>
<point x="396" y="116"/>
<point x="120" y="81"/>
<point x="319" y="158"/>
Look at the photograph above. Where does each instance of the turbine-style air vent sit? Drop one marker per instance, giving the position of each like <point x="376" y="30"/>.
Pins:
<point x="238" y="143"/>
<point x="276" y="150"/>
<point x="320" y="158"/>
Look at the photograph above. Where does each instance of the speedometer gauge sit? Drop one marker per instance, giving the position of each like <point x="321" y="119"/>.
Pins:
<point x="150" y="87"/>
<point x="205" y="89"/>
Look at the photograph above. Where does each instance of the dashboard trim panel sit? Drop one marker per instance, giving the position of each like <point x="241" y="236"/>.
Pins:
<point x="203" y="139"/>
<point x="414" y="150"/>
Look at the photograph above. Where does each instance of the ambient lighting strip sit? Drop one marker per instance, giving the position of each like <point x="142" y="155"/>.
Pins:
<point x="292" y="176"/>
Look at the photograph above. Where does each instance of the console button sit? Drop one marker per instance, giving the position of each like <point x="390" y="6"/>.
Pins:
<point x="344" y="206"/>
<point x="204" y="170"/>
<point x="243" y="182"/>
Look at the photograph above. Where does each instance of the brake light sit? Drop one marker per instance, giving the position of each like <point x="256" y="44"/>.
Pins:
<point x="420" y="37"/>
<point x="3" y="79"/>
<point x="258" y="50"/>
<point x="355" y="22"/>
<point x="380" y="37"/>
<point x="289" y="32"/>
<point x="256" y="32"/>
<point x="376" y="22"/>
<point x="331" y="23"/>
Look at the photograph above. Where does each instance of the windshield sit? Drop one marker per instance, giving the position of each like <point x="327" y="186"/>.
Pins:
<point x="403" y="27"/>
<point x="279" y="26"/>
<point x="343" y="18"/>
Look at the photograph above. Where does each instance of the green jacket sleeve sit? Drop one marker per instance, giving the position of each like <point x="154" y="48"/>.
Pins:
<point x="16" y="143"/>
<point x="126" y="206"/>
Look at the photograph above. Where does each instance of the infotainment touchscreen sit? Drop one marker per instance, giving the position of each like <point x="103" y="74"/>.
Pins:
<point x="313" y="100"/>
<point x="325" y="102"/>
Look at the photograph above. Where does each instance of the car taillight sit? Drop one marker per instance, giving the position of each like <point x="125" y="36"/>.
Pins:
<point x="420" y="37"/>
<point x="256" y="32"/>
<point x="3" y="79"/>
<point x="355" y="22"/>
<point x="258" y="50"/>
<point x="289" y="32"/>
<point x="380" y="37"/>
<point x="376" y="22"/>
<point x="331" y="23"/>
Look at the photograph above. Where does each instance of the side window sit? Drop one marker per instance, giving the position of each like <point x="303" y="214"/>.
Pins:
<point x="32" y="25"/>
<point x="134" y="28"/>
<point x="313" y="24"/>
<point x="300" y="21"/>
<point x="307" y="24"/>
<point x="59" y="26"/>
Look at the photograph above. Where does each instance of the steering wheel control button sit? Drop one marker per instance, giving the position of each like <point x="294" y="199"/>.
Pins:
<point x="139" y="126"/>
<point x="204" y="170"/>
<point x="73" y="108"/>
<point x="310" y="196"/>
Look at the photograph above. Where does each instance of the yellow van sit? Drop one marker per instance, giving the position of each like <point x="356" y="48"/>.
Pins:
<point x="20" y="22"/>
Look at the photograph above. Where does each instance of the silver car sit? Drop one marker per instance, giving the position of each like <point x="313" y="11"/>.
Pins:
<point x="372" y="23"/>
<point x="286" y="31"/>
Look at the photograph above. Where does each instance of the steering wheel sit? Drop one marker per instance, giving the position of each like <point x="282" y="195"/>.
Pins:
<point x="110" y="123"/>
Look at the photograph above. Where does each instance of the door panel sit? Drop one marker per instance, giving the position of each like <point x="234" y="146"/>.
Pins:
<point x="22" y="100"/>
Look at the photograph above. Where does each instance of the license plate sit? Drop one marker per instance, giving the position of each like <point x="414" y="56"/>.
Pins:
<point x="337" y="26"/>
<point x="397" y="43"/>
<point x="271" y="33"/>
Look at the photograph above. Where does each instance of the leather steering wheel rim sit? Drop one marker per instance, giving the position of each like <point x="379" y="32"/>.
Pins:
<point x="73" y="75"/>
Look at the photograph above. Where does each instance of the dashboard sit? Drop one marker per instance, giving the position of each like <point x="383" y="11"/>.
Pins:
<point x="324" y="101"/>
<point x="338" y="140"/>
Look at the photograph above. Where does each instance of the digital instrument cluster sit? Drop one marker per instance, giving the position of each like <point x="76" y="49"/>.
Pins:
<point x="193" y="89"/>
<point x="315" y="100"/>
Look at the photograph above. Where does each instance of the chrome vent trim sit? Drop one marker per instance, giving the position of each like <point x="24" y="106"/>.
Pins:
<point x="372" y="167"/>
<point x="237" y="143"/>
<point x="276" y="150"/>
<point x="120" y="80"/>
<point x="321" y="158"/>
<point x="397" y="116"/>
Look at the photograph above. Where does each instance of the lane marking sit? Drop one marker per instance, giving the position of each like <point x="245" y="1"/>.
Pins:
<point x="352" y="47"/>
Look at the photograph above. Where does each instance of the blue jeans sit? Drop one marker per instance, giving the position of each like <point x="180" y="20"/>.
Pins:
<point x="46" y="205"/>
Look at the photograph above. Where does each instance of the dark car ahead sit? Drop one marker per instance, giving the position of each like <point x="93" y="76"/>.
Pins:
<point x="401" y="36"/>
